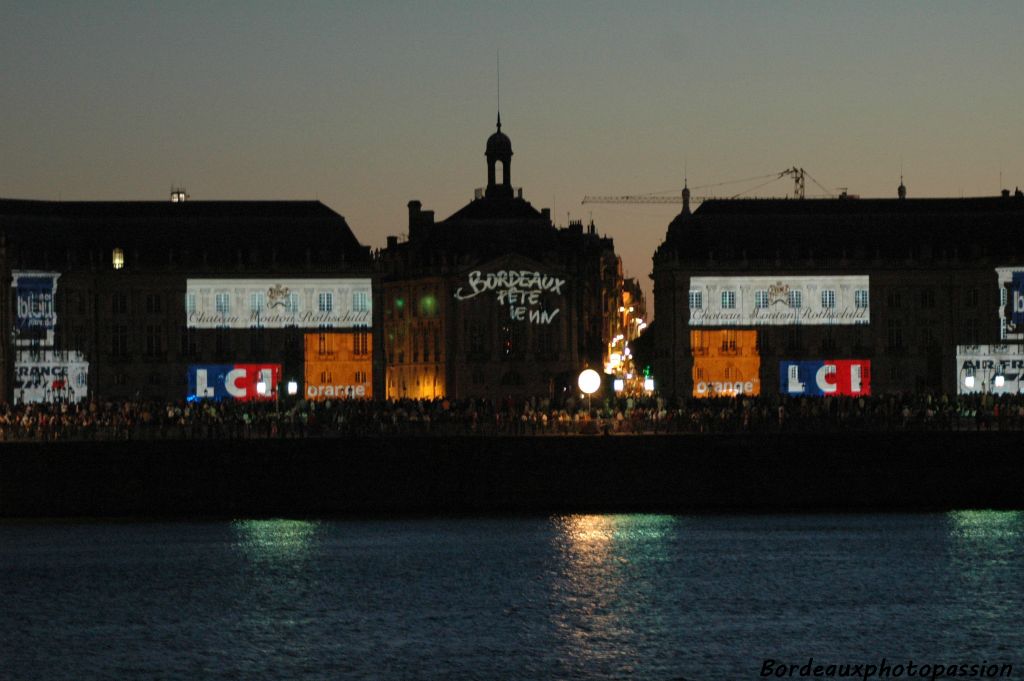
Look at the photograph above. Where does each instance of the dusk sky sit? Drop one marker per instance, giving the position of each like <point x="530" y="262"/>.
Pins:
<point x="365" y="106"/>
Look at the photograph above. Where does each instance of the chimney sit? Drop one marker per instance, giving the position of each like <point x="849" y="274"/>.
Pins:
<point x="414" y="219"/>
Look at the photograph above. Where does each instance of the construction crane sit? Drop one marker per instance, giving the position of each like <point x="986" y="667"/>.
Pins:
<point x="798" y="174"/>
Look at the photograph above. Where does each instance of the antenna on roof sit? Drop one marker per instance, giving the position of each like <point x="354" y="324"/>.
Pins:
<point x="497" y="60"/>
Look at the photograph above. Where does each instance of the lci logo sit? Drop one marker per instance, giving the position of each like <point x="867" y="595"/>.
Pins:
<point x="233" y="381"/>
<point x="817" y="378"/>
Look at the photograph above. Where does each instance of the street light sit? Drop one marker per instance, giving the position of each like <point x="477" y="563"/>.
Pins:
<point x="589" y="381"/>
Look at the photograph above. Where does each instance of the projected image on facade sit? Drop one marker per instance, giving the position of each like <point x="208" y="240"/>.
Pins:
<point x="992" y="369"/>
<point x="528" y="295"/>
<point x="278" y="304"/>
<point x="825" y="377"/>
<point x="338" y="365"/>
<point x="726" y="363"/>
<point x="779" y="300"/>
<point x="43" y="373"/>
<point x="1011" y="301"/>
<point x="241" y="382"/>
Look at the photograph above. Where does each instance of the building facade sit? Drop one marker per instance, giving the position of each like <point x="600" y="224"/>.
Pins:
<point x="177" y="299"/>
<point x="495" y="301"/>
<point x="837" y="296"/>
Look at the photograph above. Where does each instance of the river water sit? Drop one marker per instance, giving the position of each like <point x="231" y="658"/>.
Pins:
<point x="699" y="598"/>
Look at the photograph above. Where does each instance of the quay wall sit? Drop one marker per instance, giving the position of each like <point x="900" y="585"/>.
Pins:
<point x="797" y="472"/>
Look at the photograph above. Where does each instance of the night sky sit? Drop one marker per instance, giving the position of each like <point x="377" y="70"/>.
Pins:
<point x="368" y="105"/>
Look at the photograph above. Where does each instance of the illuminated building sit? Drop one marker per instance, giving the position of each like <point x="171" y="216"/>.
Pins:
<point x="495" y="300"/>
<point x="124" y="299"/>
<point x="846" y="295"/>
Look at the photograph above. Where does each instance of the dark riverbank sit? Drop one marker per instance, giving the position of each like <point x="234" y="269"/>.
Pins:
<point x="791" y="472"/>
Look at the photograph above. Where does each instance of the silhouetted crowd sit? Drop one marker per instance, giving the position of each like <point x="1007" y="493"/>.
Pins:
<point x="129" y="420"/>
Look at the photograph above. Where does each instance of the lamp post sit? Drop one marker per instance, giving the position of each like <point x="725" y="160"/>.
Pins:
<point x="589" y="381"/>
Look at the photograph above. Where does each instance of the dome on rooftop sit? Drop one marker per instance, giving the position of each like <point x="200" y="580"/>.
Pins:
<point x="499" y="144"/>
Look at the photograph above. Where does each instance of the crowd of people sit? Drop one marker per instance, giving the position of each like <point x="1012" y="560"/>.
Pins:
<point x="124" y="420"/>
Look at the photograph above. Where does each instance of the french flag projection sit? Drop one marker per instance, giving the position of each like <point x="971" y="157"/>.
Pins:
<point x="821" y="377"/>
<point x="233" y="381"/>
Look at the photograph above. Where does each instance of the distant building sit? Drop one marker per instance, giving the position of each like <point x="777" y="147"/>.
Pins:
<point x="495" y="301"/>
<point x="840" y="296"/>
<point x="166" y="300"/>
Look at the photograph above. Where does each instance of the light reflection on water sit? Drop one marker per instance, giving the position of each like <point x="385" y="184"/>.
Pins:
<point x="275" y="539"/>
<point x="598" y="554"/>
<point x="571" y="596"/>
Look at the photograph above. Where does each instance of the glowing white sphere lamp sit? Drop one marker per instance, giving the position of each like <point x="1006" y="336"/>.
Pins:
<point x="293" y="387"/>
<point x="589" y="381"/>
<point x="261" y="388"/>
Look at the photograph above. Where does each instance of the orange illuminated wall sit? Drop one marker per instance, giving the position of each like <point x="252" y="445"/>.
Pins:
<point x="339" y="365"/>
<point x="726" y="363"/>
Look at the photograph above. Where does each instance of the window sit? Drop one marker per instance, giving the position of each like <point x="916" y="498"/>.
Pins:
<point x="796" y="299"/>
<point x="154" y="340"/>
<point x="119" y="340"/>
<point x="893" y="299"/>
<point x="928" y="298"/>
<point x="927" y="337"/>
<point x="860" y="299"/>
<point x="761" y="299"/>
<point x="325" y="302"/>
<point x="828" y="299"/>
<point x="117" y="258"/>
<point x="475" y="334"/>
<point x="971" y="297"/>
<point x="895" y="334"/>
<point x="291" y="303"/>
<point x="223" y="347"/>
<point x="223" y="303"/>
<point x="119" y="303"/>
<point x="728" y="300"/>
<point x="190" y="303"/>
<point x="729" y="342"/>
<point x="360" y="301"/>
<point x="696" y="300"/>
<point x="437" y="344"/>
<point x="154" y="303"/>
<point x="188" y="343"/>
<point x="256" y="302"/>
<point x="511" y="340"/>
<point x="970" y="331"/>
<point x="360" y="344"/>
